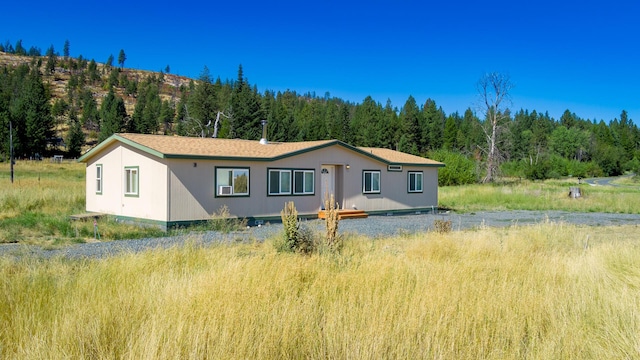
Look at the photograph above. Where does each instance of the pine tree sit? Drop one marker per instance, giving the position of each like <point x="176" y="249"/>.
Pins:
<point x="450" y="132"/>
<point x="147" y="109"/>
<point x="166" y="116"/>
<point x="410" y="124"/>
<point x="431" y="127"/>
<point x="90" y="115"/>
<point x="122" y="57"/>
<point x="366" y="123"/>
<point x="246" y="110"/>
<point x="75" y="139"/>
<point x="108" y="65"/>
<point x="51" y="60"/>
<point x="113" y="115"/>
<point x="92" y="71"/>
<point x="202" y="107"/>
<point x="19" y="49"/>
<point x="32" y="115"/>
<point x="65" y="50"/>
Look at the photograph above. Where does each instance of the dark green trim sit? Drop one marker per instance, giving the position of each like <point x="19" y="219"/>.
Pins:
<point x="116" y="137"/>
<point x="215" y="182"/>
<point x="137" y="193"/>
<point x="409" y="182"/>
<point x="101" y="179"/>
<point x="379" y="182"/>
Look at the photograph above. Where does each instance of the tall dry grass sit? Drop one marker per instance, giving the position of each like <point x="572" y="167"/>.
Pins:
<point x="549" y="291"/>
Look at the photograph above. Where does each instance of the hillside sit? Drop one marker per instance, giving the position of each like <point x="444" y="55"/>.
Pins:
<point x="59" y="80"/>
<point x="532" y="143"/>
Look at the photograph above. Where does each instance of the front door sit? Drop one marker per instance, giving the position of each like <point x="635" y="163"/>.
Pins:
<point x="327" y="182"/>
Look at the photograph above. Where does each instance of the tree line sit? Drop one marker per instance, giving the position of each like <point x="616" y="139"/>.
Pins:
<point x="474" y="145"/>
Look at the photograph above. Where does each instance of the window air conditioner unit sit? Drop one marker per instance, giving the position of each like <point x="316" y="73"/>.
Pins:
<point x="225" y="190"/>
<point x="394" y="167"/>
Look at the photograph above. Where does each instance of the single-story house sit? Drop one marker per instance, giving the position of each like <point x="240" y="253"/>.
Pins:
<point x="173" y="180"/>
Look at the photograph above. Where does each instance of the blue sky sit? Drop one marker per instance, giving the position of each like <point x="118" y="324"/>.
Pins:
<point x="576" y="55"/>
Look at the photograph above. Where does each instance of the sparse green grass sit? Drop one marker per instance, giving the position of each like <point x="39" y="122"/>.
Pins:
<point x="540" y="195"/>
<point x="549" y="291"/>
<point x="35" y="209"/>
<point x="630" y="180"/>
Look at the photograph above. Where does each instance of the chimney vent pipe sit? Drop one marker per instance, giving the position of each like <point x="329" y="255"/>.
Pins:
<point x="263" y="140"/>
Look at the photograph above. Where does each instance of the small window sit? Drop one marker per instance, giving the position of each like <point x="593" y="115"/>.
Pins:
<point x="131" y="178"/>
<point x="370" y="182"/>
<point x="99" y="179"/>
<point x="415" y="181"/>
<point x="279" y="182"/>
<point x="303" y="181"/>
<point x="232" y="182"/>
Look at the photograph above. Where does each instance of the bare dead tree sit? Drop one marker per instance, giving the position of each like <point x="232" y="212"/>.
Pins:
<point x="493" y="90"/>
<point x="217" y="123"/>
<point x="195" y="127"/>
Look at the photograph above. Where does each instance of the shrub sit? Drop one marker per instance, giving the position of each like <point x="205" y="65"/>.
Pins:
<point x="459" y="169"/>
<point x="222" y="221"/>
<point x="442" y="226"/>
<point x="513" y="168"/>
<point x="332" y="241"/>
<point x="305" y="241"/>
<point x="289" y="216"/>
<point x="295" y="237"/>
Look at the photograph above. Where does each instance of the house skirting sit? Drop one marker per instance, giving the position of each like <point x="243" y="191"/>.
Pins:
<point x="262" y="220"/>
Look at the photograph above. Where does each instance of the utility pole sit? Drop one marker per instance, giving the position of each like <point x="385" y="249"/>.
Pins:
<point x="11" y="148"/>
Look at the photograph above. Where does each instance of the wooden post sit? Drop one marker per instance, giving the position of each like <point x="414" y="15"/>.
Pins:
<point x="11" y="149"/>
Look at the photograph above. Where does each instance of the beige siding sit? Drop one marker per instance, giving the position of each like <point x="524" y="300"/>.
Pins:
<point x="192" y="182"/>
<point x="191" y="189"/>
<point x="151" y="202"/>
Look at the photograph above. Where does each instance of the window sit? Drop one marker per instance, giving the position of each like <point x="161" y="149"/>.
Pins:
<point x="232" y="182"/>
<point x="131" y="181"/>
<point x="370" y="182"/>
<point x="415" y="181"/>
<point x="281" y="182"/>
<point x="99" y="179"/>
<point x="303" y="182"/>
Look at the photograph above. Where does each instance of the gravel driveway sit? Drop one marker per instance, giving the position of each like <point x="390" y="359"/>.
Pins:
<point x="374" y="226"/>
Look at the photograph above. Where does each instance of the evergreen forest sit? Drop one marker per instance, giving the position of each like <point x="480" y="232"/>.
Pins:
<point x="57" y="104"/>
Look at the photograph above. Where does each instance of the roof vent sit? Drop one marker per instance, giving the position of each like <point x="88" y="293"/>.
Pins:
<point x="263" y="140"/>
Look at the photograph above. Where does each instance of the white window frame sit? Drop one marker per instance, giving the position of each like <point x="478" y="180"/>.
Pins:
<point x="305" y="173"/>
<point x="372" y="174"/>
<point x="282" y="174"/>
<point x="417" y="182"/>
<point x="99" y="176"/>
<point x="307" y="177"/>
<point x="235" y="173"/>
<point x="131" y="181"/>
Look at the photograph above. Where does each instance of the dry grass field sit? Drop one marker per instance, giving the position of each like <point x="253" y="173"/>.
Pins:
<point x="549" y="291"/>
